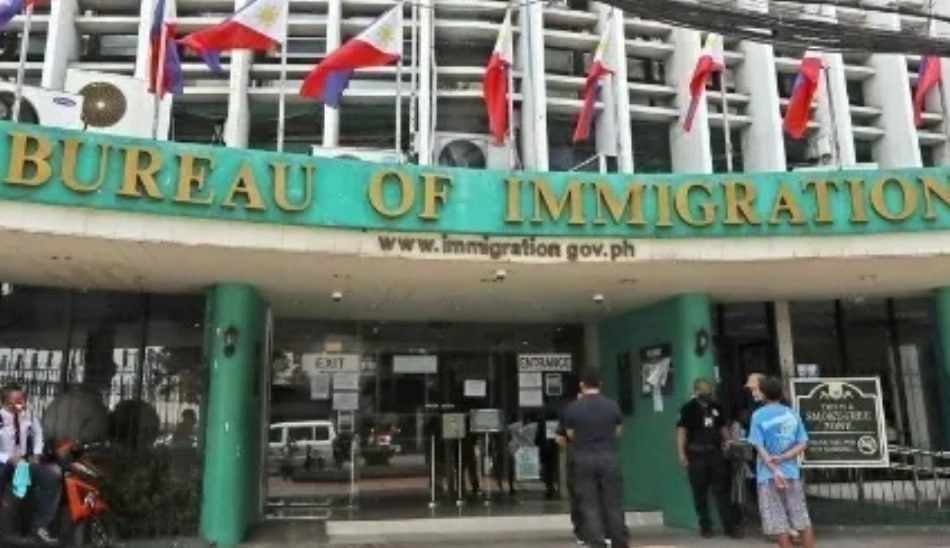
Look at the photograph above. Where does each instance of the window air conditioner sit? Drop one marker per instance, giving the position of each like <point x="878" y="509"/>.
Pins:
<point x="376" y="156"/>
<point x="470" y="150"/>
<point x="42" y="106"/>
<point x="116" y="104"/>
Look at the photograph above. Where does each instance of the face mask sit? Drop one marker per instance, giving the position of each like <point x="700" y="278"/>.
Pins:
<point x="705" y="397"/>
<point x="19" y="407"/>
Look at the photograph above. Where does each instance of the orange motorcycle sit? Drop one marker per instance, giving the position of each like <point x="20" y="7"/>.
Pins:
<point x="84" y="517"/>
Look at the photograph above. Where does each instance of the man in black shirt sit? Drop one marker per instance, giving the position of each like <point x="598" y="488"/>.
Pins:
<point x="700" y="434"/>
<point x="593" y="425"/>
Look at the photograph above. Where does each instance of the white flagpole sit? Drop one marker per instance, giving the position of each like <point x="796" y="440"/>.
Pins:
<point x="21" y="66"/>
<point x="512" y="145"/>
<point x="159" y="76"/>
<point x="832" y="115"/>
<point x="414" y="79"/>
<point x="282" y="96"/>
<point x="727" y="134"/>
<point x="399" y="106"/>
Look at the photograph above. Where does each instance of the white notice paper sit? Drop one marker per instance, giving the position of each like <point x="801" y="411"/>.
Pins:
<point x="346" y="401"/>
<point x="419" y="365"/>
<point x="320" y="386"/>
<point x="476" y="388"/>
<point x="530" y="380"/>
<point x="346" y="381"/>
<point x="533" y="397"/>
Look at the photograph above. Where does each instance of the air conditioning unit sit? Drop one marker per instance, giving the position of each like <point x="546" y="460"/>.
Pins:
<point x="117" y="104"/>
<point x="470" y="150"/>
<point x="42" y="106"/>
<point x="375" y="156"/>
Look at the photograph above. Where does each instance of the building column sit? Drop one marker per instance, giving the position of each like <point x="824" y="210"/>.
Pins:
<point x="691" y="151"/>
<point x="62" y="43"/>
<point x="614" y="136"/>
<point x="941" y="332"/>
<point x="427" y="95"/>
<point x="237" y="126"/>
<point x="534" y="94"/>
<point x="784" y="339"/>
<point x="763" y="141"/>
<point x="651" y="472"/>
<point x="234" y="332"/>
<point x="331" y="116"/>
<point x="934" y="102"/>
<point x="888" y="90"/>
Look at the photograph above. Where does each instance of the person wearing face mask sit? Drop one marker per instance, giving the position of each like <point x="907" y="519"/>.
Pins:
<point x="21" y="440"/>
<point x="701" y="433"/>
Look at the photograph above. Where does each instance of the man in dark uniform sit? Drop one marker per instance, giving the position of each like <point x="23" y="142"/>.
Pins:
<point x="700" y="434"/>
<point x="593" y="424"/>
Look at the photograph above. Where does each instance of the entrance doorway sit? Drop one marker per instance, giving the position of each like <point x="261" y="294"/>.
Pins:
<point x="384" y="417"/>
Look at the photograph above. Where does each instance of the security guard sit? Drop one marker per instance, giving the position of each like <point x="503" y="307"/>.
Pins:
<point x="700" y="434"/>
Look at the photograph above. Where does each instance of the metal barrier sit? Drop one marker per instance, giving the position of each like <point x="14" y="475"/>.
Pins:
<point x="914" y="489"/>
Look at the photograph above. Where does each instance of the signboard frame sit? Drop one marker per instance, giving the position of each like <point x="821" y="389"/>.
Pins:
<point x="797" y="394"/>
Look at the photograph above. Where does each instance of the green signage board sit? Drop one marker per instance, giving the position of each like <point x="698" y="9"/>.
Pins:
<point x="84" y="169"/>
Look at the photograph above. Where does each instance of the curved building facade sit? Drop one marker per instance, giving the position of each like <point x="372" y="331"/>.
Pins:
<point x="360" y="323"/>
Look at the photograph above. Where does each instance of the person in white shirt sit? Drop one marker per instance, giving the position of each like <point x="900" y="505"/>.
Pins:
<point x="21" y="439"/>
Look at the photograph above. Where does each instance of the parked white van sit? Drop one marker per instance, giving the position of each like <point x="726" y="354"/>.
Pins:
<point x="301" y="444"/>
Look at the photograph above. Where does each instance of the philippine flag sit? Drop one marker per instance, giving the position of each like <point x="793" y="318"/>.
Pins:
<point x="495" y="82"/>
<point x="711" y="60"/>
<point x="10" y="8"/>
<point x="379" y="44"/>
<point x="928" y="77"/>
<point x="598" y="69"/>
<point x="171" y="75"/>
<point x="798" y="113"/>
<point x="260" y="25"/>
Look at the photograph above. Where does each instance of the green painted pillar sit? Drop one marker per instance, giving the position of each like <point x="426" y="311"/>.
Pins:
<point x="234" y="333"/>
<point x="653" y="479"/>
<point x="942" y="334"/>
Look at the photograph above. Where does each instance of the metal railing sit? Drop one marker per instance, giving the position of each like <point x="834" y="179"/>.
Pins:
<point x="913" y="490"/>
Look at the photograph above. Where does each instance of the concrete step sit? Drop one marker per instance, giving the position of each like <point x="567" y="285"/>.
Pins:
<point x="360" y="531"/>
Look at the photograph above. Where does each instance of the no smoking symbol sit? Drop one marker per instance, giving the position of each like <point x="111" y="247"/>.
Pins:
<point x="867" y="445"/>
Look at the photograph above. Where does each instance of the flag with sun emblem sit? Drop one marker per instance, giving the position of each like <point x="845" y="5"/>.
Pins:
<point x="260" y="25"/>
<point x="379" y="44"/>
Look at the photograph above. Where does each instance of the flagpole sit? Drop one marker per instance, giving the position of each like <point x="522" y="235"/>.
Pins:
<point x="399" y="105"/>
<point x="282" y="96"/>
<point x="727" y="133"/>
<point x="832" y="115"/>
<point x="414" y="79"/>
<point x="21" y="66"/>
<point x="159" y="76"/>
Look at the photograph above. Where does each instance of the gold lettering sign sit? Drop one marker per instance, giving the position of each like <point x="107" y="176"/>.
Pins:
<point x="513" y="192"/>
<point x="572" y="200"/>
<point x="859" y="212"/>
<point x="191" y="178"/>
<point x="740" y="196"/>
<point x="280" y="187"/>
<point x="786" y="205"/>
<point x="406" y="192"/>
<point x="135" y="177"/>
<point x="435" y="190"/>
<point x="244" y="184"/>
<point x="707" y="207"/>
<point x="664" y="214"/>
<point x="879" y="199"/>
<point x="70" y="166"/>
<point x="33" y="151"/>
<point x="933" y="187"/>
<point x="632" y="200"/>
<point x="822" y="199"/>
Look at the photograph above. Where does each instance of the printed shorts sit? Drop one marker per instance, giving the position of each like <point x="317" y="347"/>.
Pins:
<point x="783" y="510"/>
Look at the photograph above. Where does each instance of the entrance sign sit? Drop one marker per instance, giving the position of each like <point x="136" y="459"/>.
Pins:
<point x="844" y="418"/>
<point x="529" y="363"/>
<point x="85" y="169"/>
<point x="418" y="365"/>
<point x="330" y="363"/>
